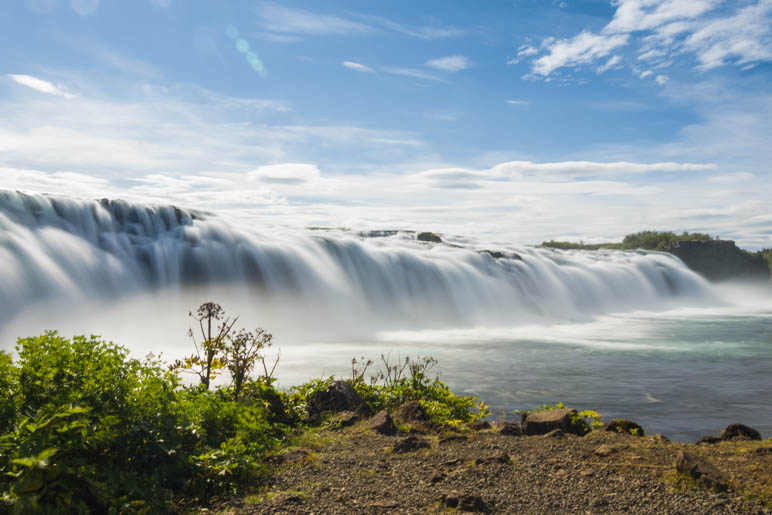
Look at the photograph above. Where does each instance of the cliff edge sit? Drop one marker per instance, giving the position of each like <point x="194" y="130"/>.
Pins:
<point x="721" y="260"/>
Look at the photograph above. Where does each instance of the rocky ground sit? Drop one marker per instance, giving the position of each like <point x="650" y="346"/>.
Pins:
<point x="357" y="470"/>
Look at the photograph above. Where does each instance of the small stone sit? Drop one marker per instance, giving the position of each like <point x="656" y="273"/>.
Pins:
<point x="411" y="444"/>
<point x="606" y="450"/>
<point x="453" y="438"/>
<point x="510" y="429"/>
<point x="708" y="440"/>
<point x="439" y="477"/>
<point x="466" y="503"/>
<point x="480" y="425"/>
<point x="702" y="471"/>
<point x="555" y="433"/>
<point x="383" y="423"/>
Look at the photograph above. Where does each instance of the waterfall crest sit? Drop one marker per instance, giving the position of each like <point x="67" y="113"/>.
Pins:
<point x="60" y="248"/>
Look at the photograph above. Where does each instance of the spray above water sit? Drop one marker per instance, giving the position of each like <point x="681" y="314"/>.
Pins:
<point x="65" y="251"/>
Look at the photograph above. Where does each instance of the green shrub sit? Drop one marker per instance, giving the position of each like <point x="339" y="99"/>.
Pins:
<point x="94" y="430"/>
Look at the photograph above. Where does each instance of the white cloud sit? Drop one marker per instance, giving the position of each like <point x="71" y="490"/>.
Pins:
<point x="413" y="73"/>
<point x="513" y="102"/>
<point x="289" y="20"/>
<point x="357" y="67"/>
<point x="715" y="33"/>
<point x="451" y="63"/>
<point x="42" y="86"/>
<point x="661" y="79"/>
<point x="611" y="63"/>
<point x="584" y="48"/>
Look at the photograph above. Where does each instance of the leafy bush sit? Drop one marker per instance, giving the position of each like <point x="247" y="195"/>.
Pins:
<point x="92" y="429"/>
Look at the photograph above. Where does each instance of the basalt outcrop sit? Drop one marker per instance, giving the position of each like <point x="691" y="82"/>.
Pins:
<point x="721" y="260"/>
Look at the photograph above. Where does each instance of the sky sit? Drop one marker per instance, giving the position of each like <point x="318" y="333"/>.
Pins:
<point x="519" y="121"/>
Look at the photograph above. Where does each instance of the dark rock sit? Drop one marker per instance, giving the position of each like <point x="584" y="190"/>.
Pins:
<point x="413" y="413"/>
<point x="480" y="425"/>
<point x="383" y="423"/>
<point x="555" y="433"/>
<point x="411" y="444"/>
<point x="720" y="260"/>
<point x="497" y="254"/>
<point x="438" y="477"/>
<point x="428" y="236"/>
<point x="453" y="438"/>
<point x="466" y="503"/>
<point x="346" y="419"/>
<point x="624" y="426"/>
<point x="708" y="440"/>
<point x="510" y="429"/>
<point x="702" y="471"/>
<point x="542" y="422"/>
<point x="734" y="431"/>
<point x="498" y="458"/>
<point x="338" y="397"/>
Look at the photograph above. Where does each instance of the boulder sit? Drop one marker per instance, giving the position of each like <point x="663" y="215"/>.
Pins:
<point x="739" y="431"/>
<point x="721" y="260"/>
<point x="429" y="236"/>
<point x="383" y="423"/>
<point x="542" y="422"/>
<point x="346" y="419"/>
<point x="624" y="426"/>
<point x="413" y="413"/>
<point x="702" y="471"/>
<point x="339" y="396"/>
<point x="411" y="444"/>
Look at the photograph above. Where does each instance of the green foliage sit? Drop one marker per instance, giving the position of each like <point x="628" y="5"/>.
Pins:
<point x="91" y="429"/>
<point x="660" y="240"/>
<point x="647" y="240"/>
<point x="408" y="380"/>
<point x="8" y="397"/>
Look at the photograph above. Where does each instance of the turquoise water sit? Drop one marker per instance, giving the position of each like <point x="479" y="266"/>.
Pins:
<point x="683" y="375"/>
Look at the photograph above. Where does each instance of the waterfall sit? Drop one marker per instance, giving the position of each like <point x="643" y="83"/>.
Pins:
<point x="57" y="249"/>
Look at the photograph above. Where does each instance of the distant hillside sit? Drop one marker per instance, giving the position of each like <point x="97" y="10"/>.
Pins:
<point x="713" y="258"/>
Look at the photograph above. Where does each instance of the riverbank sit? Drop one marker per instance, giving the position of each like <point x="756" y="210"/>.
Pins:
<point x="356" y="470"/>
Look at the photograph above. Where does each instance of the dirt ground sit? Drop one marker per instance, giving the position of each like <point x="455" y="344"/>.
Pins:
<point x="356" y="470"/>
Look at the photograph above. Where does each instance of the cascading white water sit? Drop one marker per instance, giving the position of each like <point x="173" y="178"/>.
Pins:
<point x="60" y="249"/>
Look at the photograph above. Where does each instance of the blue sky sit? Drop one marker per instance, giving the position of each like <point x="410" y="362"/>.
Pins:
<point x="521" y="121"/>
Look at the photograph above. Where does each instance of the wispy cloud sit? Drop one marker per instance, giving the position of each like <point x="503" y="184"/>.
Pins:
<point x="715" y="33"/>
<point x="515" y="102"/>
<point x="279" y="19"/>
<point x="414" y="73"/>
<point x="451" y="63"/>
<point x="357" y="67"/>
<point x="42" y="86"/>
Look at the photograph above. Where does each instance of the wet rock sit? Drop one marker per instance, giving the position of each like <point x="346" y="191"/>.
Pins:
<point x="736" y="431"/>
<point x="510" y="429"/>
<point x="480" y="425"/>
<point x="702" y="471"/>
<point x="624" y="426"/>
<point x="720" y="260"/>
<point x="542" y="422"/>
<point x="429" y="236"/>
<point x="497" y="254"/>
<point x="383" y="423"/>
<point x="411" y="444"/>
<point x="339" y="396"/>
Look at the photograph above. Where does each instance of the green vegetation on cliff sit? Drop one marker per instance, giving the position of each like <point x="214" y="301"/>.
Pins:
<point x="647" y="240"/>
